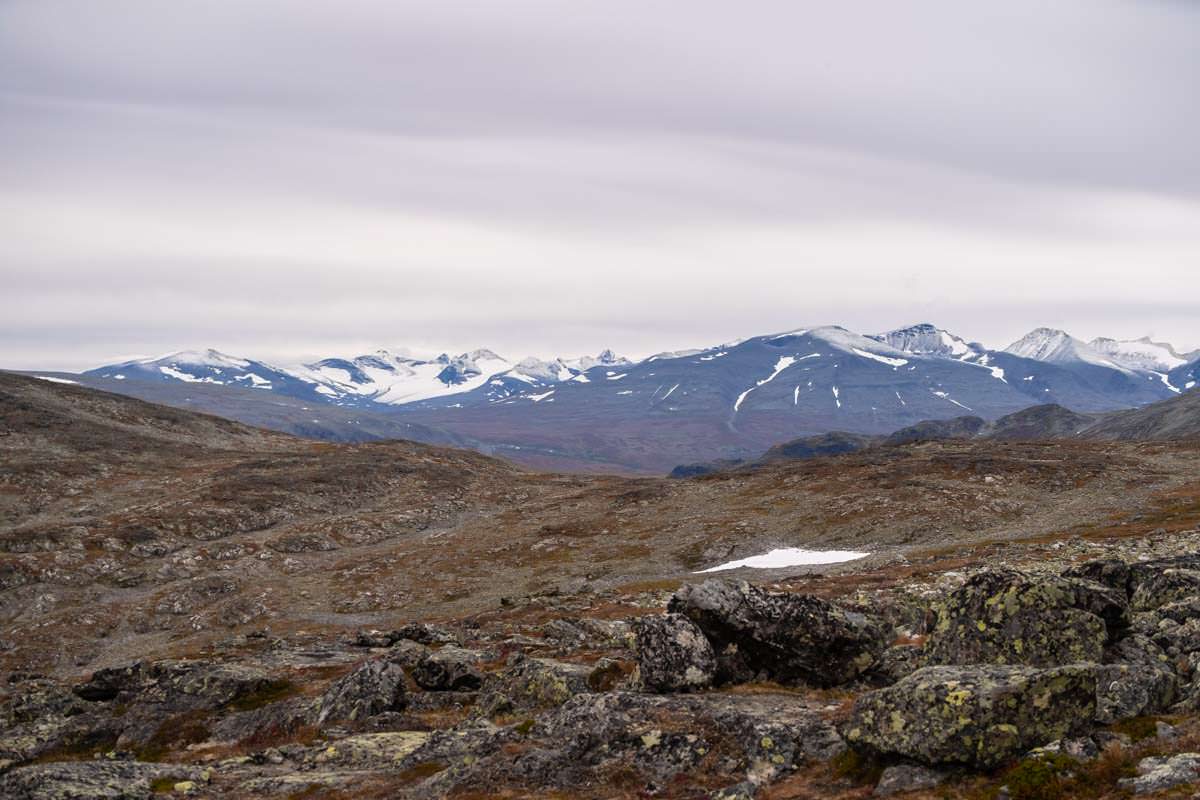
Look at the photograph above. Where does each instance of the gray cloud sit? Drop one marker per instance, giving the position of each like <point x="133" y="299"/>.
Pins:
<point x="299" y="177"/>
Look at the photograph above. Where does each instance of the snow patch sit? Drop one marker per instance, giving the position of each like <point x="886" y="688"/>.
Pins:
<point x="789" y="557"/>
<point x="53" y="379"/>
<point x="946" y="396"/>
<point x="894" y="363"/>
<point x="783" y="363"/>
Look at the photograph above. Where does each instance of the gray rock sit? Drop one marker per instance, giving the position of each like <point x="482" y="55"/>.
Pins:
<point x="1124" y="691"/>
<point x="1166" y="587"/>
<point x="977" y="716"/>
<point x="901" y="778"/>
<point x="1111" y="572"/>
<point x="783" y="637"/>
<point x="93" y="780"/>
<point x="426" y="633"/>
<point x="672" y="654"/>
<point x="1080" y="748"/>
<point x="407" y="653"/>
<point x="1158" y="773"/>
<point x="530" y="684"/>
<point x="449" y="669"/>
<point x="1009" y="617"/>
<point x="373" y="688"/>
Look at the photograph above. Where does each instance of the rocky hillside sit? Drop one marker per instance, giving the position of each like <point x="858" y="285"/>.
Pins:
<point x="193" y="607"/>
<point x="1171" y="420"/>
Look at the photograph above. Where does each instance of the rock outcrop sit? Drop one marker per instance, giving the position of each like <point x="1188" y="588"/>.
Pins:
<point x="977" y="716"/>
<point x="673" y="654"/>
<point x="782" y="637"/>
<point x="1009" y="617"/>
<point x="375" y="687"/>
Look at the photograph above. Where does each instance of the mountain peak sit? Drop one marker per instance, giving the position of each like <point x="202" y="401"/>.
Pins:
<point x="1055" y="346"/>
<point x="207" y="358"/>
<point x="925" y="338"/>
<point x="1143" y="353"/>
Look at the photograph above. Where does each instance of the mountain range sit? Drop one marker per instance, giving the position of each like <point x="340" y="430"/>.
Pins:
<point x="605" y="412"/>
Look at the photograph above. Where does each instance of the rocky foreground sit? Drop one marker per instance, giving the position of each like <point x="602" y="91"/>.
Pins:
<point x="1023" y="683"/>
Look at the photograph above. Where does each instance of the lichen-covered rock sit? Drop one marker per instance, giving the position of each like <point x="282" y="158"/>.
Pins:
<point x="1009" y="617"/>
<point x="449" y="669"/>
<point x="783" y="637"/>
<point x="373" y="688"/>
<point x="365" y="751"/>
<point x="672" y="654"/>
<point x="650" y="739"/>
<point x="529" y="684"/>
<point x="94" y="780"/>
<point x="1166" y="586"/>
<point x="977" y="716"/>
<point x="1124" y="691"/>
<point x="1156" y="774"/>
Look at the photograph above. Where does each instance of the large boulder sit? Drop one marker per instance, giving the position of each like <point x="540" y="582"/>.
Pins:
<point x="977" y="716"/>
<point x="450" y="669"/>
<point x="1010" y="617"/>
<point x="782" y="637"/>
<point x="375" y="687"/>
<point x="672" y="654"/>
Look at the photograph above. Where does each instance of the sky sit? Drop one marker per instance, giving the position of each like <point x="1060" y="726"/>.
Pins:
<point x="288" y="179"/>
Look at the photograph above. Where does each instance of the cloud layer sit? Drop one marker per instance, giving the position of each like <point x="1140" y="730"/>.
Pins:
<point x="301" y="177"/>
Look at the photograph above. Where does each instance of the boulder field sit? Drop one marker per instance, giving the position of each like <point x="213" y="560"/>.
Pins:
<point x="730" y="689"/>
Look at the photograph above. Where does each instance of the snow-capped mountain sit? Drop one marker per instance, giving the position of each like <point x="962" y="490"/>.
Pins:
<point x="379" y="378"/>
<point x="1140" y="354"/>
<point x="731" y="400"/>
<point x="1059" y="347"/>
<point x="929" y="340"/>
<point x="385" y="377"/>
<point x="208" y="367"/>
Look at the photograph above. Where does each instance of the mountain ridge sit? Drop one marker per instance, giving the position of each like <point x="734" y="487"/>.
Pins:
<point x="730" y="401"/>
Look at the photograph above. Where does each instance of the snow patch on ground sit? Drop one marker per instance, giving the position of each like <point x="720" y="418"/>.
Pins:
<point x="790" y="557"/>
<point x="53" y="379"/>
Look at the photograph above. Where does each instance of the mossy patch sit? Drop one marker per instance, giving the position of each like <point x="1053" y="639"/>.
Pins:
<point x="857" y="767"/>
<point x="269" y="692"/>
<point x="1043" y="778"/>
<point x="421" y="771"/>
<point x="1137" y="728"/>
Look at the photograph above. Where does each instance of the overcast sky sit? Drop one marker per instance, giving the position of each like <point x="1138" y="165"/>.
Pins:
<point x="305" y="177"/>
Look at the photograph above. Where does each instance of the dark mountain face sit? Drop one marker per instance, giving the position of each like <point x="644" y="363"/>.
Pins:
<point x="1177" y="419"/>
